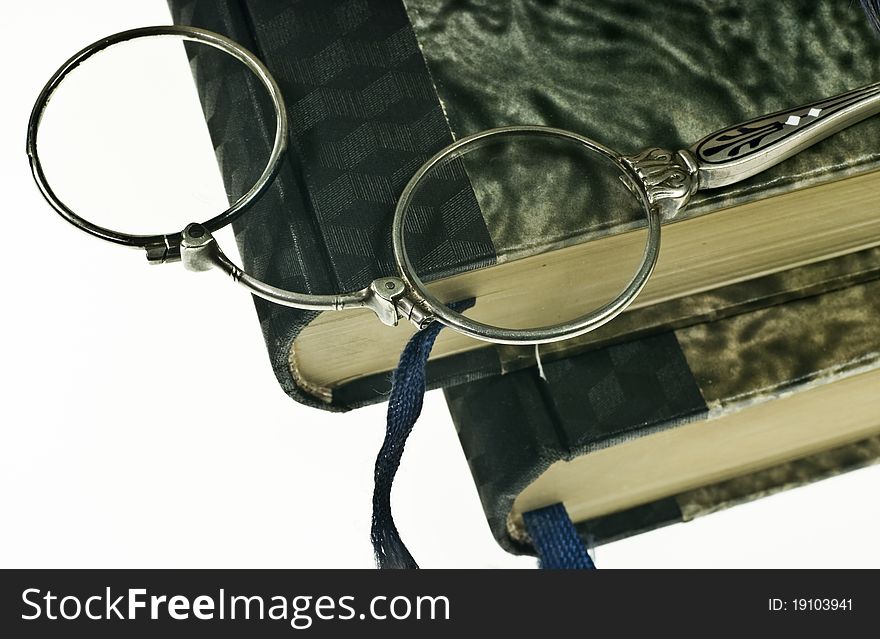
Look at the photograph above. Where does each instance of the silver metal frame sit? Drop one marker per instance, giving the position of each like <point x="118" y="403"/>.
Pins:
<point x="663" y="180"/>
<point x="583" y="324"/>
<point x="163" y="247"/>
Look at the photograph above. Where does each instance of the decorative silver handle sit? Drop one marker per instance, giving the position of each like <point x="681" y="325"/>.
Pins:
<point x="740" y="151"/>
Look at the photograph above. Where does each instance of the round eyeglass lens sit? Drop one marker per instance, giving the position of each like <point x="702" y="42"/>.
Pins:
<point x="541" y="227"/>
<point x="127" y="142"/>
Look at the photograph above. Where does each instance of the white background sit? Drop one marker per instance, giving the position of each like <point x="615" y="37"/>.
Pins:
<point x="142" y="425"/>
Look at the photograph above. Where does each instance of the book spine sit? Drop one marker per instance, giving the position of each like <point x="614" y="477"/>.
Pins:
<point x="363" y="116"/>
<point x="242" y="129"/>
<point x="513" y="427"/>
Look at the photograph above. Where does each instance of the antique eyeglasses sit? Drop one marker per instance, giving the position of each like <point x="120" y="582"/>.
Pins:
<point x="656" y="181"/>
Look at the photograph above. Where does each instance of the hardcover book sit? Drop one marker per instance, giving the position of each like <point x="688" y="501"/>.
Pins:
<point x="374" y="88"/>
<point x="677" y="424"/>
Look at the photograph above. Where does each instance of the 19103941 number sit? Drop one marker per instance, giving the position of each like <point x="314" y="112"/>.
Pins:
<point x="809" y="604"/>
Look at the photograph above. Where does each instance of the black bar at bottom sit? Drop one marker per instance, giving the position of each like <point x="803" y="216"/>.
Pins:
<point x="279" y="603"/>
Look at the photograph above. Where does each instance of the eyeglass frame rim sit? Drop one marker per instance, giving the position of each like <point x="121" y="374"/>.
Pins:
<point x="187" y="33"/>
<point x="545" y="334"/>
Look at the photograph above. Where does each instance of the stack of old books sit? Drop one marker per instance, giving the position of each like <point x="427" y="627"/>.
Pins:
<point x="750" y="363"/>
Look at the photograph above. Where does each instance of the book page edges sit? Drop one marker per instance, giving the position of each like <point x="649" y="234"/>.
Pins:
<point x="732" y="442"/>
<point x="844" y="217"/>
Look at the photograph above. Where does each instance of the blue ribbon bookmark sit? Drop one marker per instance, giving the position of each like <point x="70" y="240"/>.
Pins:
<point x="404" y="407"/>
<point x="552" y="532"/>
<point x="556" y="540"/>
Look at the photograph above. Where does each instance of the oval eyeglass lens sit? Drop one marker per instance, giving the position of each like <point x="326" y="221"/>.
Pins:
<point x="127" y="142"/>
<point x="540" y="230"/>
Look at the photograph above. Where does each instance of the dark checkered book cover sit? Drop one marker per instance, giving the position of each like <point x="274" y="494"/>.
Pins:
<point x="363" y="117"/>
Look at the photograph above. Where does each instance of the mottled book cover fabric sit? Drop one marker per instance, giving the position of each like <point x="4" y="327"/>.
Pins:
<point x="633" y="74"/>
